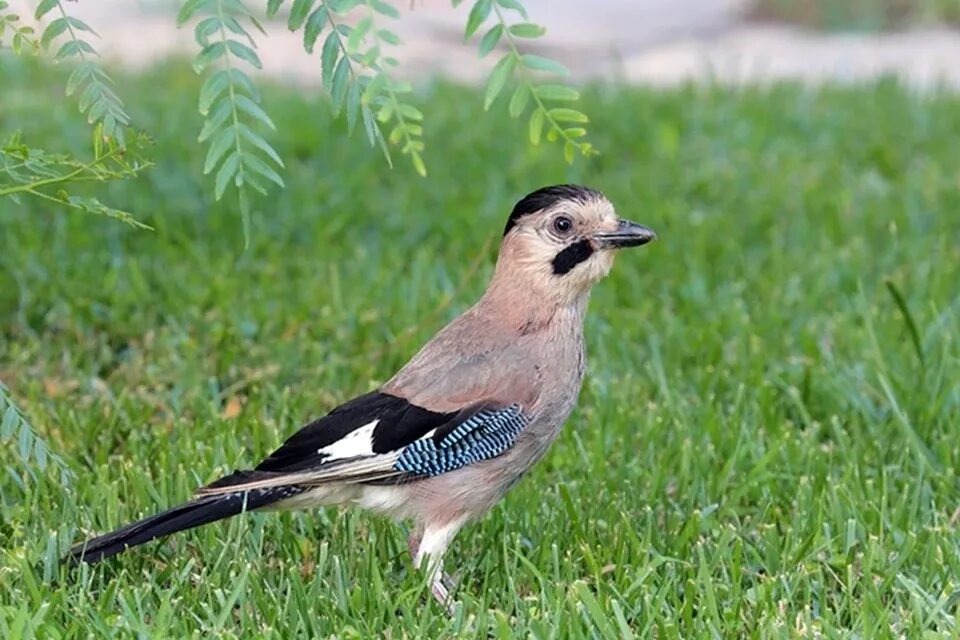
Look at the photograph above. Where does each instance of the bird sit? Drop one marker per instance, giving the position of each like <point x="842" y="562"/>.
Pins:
<point x="444" y="439"/>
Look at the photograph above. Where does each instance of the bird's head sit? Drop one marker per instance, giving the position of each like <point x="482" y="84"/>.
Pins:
<point x="561" y="240"/>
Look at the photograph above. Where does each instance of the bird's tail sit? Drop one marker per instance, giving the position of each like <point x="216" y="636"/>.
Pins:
<point x="186" y="516"/>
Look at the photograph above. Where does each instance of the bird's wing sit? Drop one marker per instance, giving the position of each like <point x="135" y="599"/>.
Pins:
<point x="381" y="437"/>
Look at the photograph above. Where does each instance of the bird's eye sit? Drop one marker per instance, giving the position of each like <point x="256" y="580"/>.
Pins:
<point x="562" y="225"/>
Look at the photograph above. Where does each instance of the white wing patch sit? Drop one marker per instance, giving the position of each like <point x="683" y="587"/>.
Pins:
<point x="358" y="442"/>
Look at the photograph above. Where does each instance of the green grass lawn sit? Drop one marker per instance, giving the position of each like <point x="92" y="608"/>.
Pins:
<point x="762" y="448"/>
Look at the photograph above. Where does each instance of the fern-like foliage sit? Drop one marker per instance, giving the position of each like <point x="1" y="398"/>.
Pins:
<point x="355" y="70"/>
<point x="97" y="99"/>
<point x="355" y="67"/>
<point x="230" y="102"/>
<point x="551" y="115"/>
<point x="32" y="451"/>
<point x="25" y="171"/>
<point x="22" y="37"/>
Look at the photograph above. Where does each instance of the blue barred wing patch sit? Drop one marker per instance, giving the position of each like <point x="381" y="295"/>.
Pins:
<point x="484" y="435"/>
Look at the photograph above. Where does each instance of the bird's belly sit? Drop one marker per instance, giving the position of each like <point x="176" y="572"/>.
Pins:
<point x="316" y="497"/>
<point x="391" y="501"/>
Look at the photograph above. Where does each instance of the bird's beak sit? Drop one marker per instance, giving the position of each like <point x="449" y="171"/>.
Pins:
<point x="628" y="234"/>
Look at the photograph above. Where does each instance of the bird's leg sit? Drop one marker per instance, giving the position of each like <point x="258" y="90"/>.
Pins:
<point x="413" y="543"/>
<point x="432" y="565"/>
<point x="429" y="558"/>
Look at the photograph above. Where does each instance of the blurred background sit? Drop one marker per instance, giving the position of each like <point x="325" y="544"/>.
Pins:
<point x="649" y="41"/>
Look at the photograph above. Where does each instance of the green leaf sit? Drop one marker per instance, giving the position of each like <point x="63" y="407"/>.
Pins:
<point x="514" y="5"/>
<point x="526" y="30"/>
<point x="251" y="179"/>
<point x="389" y="37"/>
<point x="26" y="443"/>
<point x="410" y="112"/>
<point x="234" y="26"/>
<point x="569" y="151"/>
<point x="353" y="106"/>
<point x="205" y="28"/>
<point x="298" y="13"/>
<point x="490" y="39"/>
<point x="478" y="14"/>
<point x="189" y="9"/>
<point x="260" y="167"/>
<point x="227" y="171"/>
<point x="418" y="165"/>
<point x="342" y="6"/>
<point x="53" y="30"/>
<point x="88" y="96"/>
<point x="359" y="32"/>
<point x="370" y="56"/>
<point x="374" y="88"/>
<point x="215" y="120"/>
<point x="40" y="459"/>
<point x="397" y="134"/>
<point x="10" y="421"/>
<point x="80" y="25"/>
<point x="259" y="142"/>
<point x="385" y="113"/>
<point x="901" y="303"/>
<point x="384" y="8"/>
<point x="273" y="6"/>
<point x="256" y="23"/>
<point x="339" y="84"/>
<point x="212" y="87"/>
<point x="209" y="54"/>
<point x="44" y="8"/>
<point x="556" y="92"/>
<point x="244" y="52"/>
<point x="78" y="77"/>
<point x="328" y="58"/>
<point x="575" y="132"/>
<point x="74" y="48"/>
<point x="498" y="78"/>
<point x="372" y="131"/>
<point x="539" y="63"/>
<point x="519" y="101"/>
<point x="413" y="145"/>
<point x="568" y="115"/>
<point x="242" y="82"/>
<point x="253" y="110"/>
<point x="218" y="146"/>
<point x="315" y="24"/>
<point x="97" y="111"/>
<point x="536" y="126"/>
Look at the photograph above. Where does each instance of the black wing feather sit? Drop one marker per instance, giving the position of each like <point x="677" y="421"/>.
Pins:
<point x="400" y="424"/>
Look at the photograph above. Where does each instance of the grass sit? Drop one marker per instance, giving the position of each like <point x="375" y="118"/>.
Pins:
<point x="761" y="449"/>
<point x="858" y="15"/>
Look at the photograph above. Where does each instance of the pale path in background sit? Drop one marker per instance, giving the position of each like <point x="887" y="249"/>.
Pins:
<point x="659" y="42"/>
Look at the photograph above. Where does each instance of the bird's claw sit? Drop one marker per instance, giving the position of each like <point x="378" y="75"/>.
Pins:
<point x="440" y="588"/>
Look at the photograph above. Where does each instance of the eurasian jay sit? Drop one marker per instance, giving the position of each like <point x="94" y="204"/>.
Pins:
<point x="447" y="436"/>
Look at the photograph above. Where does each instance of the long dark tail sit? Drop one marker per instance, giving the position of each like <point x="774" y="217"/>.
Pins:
<point x="186" y="516"/>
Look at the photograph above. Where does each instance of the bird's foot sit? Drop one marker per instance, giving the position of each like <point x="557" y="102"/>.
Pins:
<point x="441" y="592"/>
